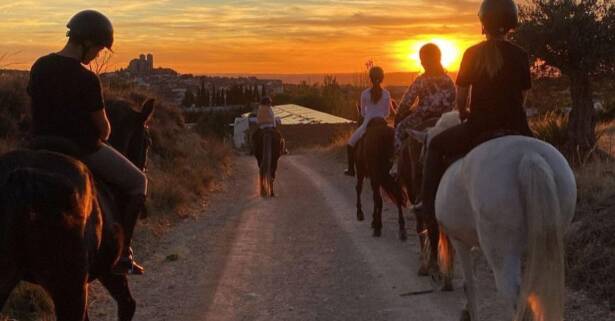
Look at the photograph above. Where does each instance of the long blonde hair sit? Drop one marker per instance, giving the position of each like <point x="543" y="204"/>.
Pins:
<point x="490" y="59"/>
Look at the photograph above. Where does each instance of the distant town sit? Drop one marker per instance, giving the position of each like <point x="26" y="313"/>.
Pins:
<point x="190" y="91"/>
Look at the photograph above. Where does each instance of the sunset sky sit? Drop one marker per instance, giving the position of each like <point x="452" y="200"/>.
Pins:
<point x="214" y="36"/>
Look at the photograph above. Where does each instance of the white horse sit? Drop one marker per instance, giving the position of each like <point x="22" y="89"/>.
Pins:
<point x="513" y="197"/>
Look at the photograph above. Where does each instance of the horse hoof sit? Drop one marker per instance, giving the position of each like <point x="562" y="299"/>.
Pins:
<point x="423" y="271"/>
<point x="360" y="216"/>
<point x="377" y="232"/>
<point x="402" y="236"/>
<point x="465" y="315"/>
<point x="448" y="285"/>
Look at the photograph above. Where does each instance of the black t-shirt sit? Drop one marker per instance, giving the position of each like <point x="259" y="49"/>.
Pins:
<point x="497" y="101"/>
<point x="64" y="95"/>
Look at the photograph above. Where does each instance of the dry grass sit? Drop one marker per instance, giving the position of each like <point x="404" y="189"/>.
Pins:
<point x="336" y="149"/>
<point x="590" y="244"/>
<point x="28" y="302"/>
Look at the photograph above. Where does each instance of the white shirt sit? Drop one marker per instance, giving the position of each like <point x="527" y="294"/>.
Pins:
<point x="381" y="109"/>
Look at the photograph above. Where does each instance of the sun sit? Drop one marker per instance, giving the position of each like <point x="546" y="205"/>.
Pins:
<point x="407" y="52"/>
<point x="450" y="52"/>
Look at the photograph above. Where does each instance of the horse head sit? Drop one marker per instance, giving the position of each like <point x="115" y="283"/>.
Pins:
<point x="446" y="121"/>
<point x="129" y="129"/>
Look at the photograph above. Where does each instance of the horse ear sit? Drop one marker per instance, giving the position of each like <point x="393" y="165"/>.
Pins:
<point x="147" y="110"/>
<point x="418" y="135"/>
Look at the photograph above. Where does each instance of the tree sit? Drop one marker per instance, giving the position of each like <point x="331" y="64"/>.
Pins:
<point x="188" y="100"/>
<point x="578" y="38"/>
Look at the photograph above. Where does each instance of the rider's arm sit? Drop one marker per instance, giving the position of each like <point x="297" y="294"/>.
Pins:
<point x="524" y="94"/>
<point x="463" y="93"/>
<point x="409" y="97"/>
<point x="101" y="122"/>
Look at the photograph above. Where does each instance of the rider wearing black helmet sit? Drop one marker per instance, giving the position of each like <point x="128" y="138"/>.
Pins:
<point x="67" y="102"/>
<point x="496" y="75"/>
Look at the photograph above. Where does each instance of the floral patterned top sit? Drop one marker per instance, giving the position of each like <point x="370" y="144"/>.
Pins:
<point x="436" y="95"/>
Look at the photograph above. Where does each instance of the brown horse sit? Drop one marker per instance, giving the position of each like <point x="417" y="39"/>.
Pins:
<point x="410" y="171"/>
<point x="373" y="156"/>
<point x="57" y="229"/>
<point x="267" y="150"/>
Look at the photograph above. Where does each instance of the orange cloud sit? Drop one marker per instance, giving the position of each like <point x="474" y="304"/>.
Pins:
<point x="213" y="36"/>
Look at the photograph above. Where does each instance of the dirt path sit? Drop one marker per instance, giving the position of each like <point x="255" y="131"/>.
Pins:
<point x="300" y="256"/>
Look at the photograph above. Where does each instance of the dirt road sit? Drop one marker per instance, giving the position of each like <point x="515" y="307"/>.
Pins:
<point x="299" y="256"/>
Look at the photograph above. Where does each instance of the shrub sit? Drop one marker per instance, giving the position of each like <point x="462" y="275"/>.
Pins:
<point x="28" y="302"/>
<point x="551" y="127"/>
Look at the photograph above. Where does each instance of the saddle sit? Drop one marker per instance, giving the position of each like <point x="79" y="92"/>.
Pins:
<point x="493" y="134"/>
<point x="66" y="147"/>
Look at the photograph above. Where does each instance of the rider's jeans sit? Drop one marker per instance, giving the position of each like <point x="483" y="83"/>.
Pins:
<point x="112" y="167"/>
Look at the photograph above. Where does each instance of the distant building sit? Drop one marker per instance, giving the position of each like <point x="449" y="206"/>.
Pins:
<point x="142" y="65"/>
<point x="300" y="126"/>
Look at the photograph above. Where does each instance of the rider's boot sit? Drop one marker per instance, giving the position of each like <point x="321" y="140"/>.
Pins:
<point x="350" y="154"/>
<point x="126" y="263"/>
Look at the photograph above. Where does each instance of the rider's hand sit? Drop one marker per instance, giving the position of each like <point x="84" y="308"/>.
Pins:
<point x="395" y="106"/>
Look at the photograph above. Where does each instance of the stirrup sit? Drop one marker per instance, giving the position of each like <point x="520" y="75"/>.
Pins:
<point x="127" y="266"/>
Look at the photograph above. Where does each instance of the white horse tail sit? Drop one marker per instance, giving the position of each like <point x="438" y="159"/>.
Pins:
<point x="543" y="290"/>
<point x="446" y="260"/>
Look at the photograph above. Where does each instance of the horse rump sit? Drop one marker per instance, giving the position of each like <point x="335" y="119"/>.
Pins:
<point x="44" y="197"/>
<point x="55" y="144"/>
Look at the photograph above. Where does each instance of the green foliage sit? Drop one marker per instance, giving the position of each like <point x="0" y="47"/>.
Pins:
<point x="578" y="38"/>
<point x="217" y="123"/>
<point x="329" y="97"/>
<point x="189" y="99"/>
<point x="571" y="35"/>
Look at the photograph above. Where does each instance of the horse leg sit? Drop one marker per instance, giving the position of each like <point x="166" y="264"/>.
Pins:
<point x="117" y="285"/>
<point x="69" y="298"/>
<point x="433" y="233"/>
<point x="377" y="216"/>
<point x="423" y="246"/>
<point x="506" y="266"/>
<point x="359" y="189"/>
<point x="470" y="312"/>
<point x="402" y="223"/>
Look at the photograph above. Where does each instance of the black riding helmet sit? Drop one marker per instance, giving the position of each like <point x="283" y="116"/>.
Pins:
<point x="93" y="26"/>
<point x="498" y="16"/>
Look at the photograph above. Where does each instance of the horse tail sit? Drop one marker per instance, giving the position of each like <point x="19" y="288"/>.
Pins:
<point x="542" y="289"/>
<point x="393" y="189"/>
<point x="446" y="256"/>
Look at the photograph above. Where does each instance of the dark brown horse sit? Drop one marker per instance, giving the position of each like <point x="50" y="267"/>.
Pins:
<point x="267" y="150"/>
<point x="373" y="155"/>
<point x="57" y="229"/>
<point x="410" y="171"/>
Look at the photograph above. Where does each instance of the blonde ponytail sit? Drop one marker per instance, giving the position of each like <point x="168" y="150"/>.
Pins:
<point x="490" y="59"/>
